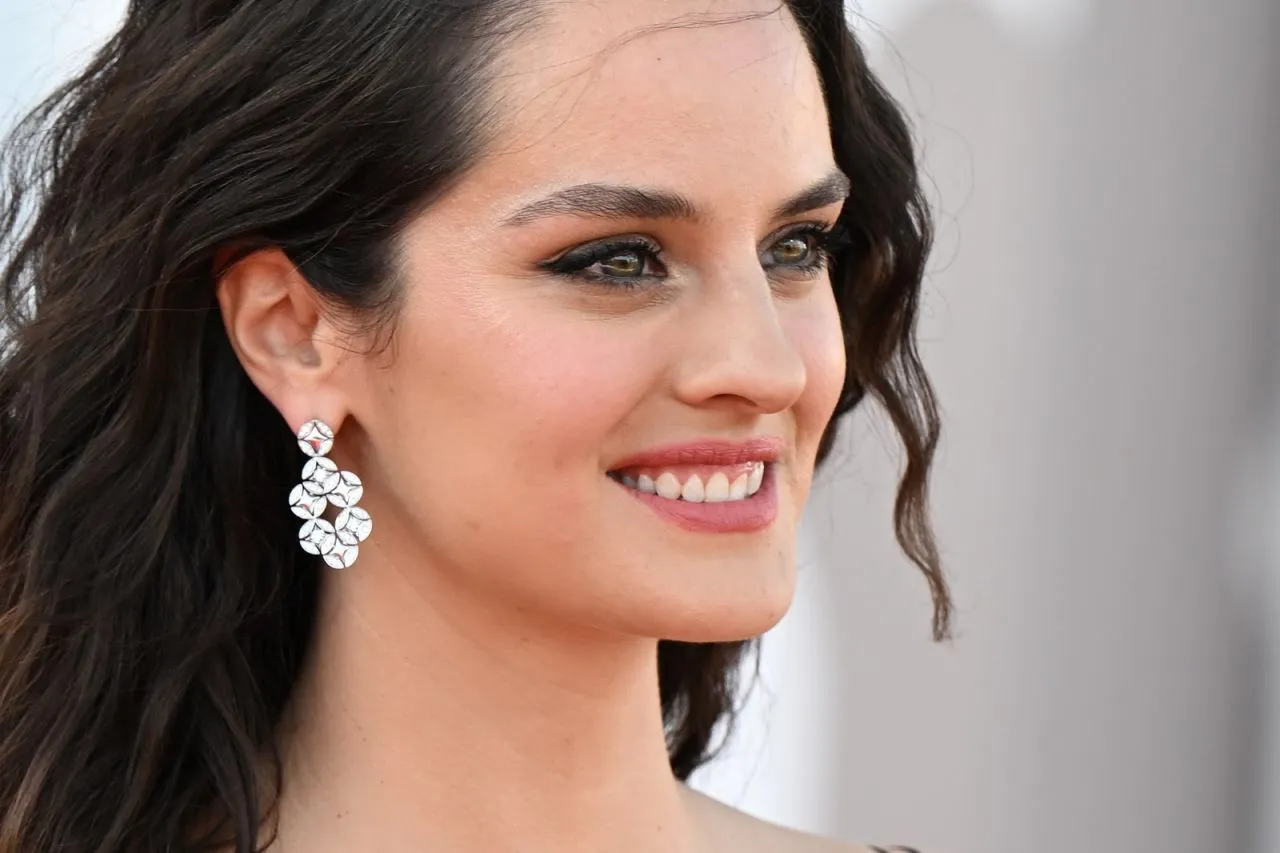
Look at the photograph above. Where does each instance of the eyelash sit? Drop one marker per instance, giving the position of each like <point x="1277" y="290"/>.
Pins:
<point x="577" y="262"/>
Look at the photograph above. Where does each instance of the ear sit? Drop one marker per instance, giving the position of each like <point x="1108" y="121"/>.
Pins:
<point x="279" y="332"/>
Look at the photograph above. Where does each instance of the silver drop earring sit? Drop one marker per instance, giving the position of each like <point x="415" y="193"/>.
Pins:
<point x="323" y="484"/>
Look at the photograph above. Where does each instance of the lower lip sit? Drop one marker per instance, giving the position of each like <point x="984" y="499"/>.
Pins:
<point x="754" y="513"/>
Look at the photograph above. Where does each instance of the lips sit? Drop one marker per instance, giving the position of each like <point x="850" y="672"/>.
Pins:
<point x="707" y="486"/>
<point x="713" y="452"/>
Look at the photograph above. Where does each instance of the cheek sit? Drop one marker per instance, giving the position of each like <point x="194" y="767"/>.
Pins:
<point x="561" y="391"/>
<point x="512" y="409"/>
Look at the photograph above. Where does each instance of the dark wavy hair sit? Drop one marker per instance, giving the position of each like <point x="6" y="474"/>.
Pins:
<point x="154" y="605"/>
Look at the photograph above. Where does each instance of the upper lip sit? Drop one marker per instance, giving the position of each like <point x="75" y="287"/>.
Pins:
<point x="708" y="451"/>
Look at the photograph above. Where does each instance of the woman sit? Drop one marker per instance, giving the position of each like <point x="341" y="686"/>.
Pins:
<point x="530" y="319"/>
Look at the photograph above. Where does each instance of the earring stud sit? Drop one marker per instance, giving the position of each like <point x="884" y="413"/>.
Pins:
<point x="324" y="484"/>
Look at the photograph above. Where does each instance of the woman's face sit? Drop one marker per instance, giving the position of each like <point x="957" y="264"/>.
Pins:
<point x="625" y="295"/>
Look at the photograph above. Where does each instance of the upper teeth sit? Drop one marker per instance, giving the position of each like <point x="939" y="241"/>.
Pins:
<point x="716" y="489"/>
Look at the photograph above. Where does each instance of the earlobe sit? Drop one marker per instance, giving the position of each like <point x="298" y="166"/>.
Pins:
<point x="274" y="322"/>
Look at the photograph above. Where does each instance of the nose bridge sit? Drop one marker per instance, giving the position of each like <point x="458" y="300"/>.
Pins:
<point x="738" y="345"/>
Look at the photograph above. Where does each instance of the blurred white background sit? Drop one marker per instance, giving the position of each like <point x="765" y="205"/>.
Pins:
<point x="1103" y="323"/>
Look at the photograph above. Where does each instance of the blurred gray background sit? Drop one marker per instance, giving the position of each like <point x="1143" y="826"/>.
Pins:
<point x="1103" y="324"/>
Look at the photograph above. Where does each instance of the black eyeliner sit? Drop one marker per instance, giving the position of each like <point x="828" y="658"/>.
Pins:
<point x="579" y="258"/>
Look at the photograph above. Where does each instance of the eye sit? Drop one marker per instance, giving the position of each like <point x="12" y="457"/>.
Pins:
<point x="792" y="250"/>
<point x="805" y="249"/>
<point x="625" y="262"/>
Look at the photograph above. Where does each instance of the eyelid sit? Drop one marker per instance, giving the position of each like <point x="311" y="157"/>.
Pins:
<point x="604" y="245"/>
<point x="807" y="227"/>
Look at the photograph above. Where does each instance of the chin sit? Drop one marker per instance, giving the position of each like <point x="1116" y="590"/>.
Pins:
<point x="727" y="631"/>
<point x="739" y="606"/>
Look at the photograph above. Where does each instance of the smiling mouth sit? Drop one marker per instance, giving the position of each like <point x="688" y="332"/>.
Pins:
<point x="738" y="498"/>
<point x="696" y="483"/>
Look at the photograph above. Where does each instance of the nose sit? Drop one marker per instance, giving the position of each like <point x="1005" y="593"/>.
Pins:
<point x="737" y="351"/>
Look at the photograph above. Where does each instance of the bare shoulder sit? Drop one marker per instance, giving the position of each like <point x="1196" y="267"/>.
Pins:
<point x="736" y="831"/>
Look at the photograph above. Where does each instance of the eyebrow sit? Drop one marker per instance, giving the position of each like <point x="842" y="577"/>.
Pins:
<point x="615" y="201"/>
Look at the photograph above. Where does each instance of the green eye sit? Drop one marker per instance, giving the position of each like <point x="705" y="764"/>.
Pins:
<point x="625" y="264"/>
<point x="792" y="250"/>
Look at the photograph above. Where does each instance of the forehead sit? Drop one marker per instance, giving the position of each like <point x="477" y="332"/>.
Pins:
<point x="659" y="91"/>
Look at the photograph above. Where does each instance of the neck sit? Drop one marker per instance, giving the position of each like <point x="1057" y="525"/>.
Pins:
<point x="430" y="719"/>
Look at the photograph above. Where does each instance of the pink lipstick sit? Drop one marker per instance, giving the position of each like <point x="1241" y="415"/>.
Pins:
<point x="713" y="486"/>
